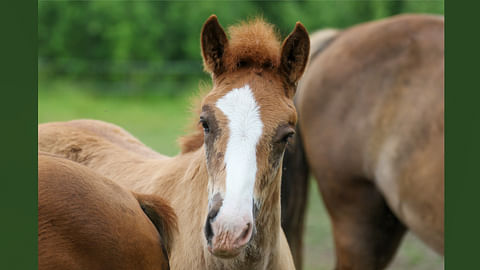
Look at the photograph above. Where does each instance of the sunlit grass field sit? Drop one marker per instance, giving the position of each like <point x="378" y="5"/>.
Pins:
<point x="158" y="120"/>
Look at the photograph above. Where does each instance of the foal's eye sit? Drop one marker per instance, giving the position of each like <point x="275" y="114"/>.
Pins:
<point x="287" y="136"/>
<point x="204" y="123"/>
<point x="284" y="133"/>
<point x="242" y="63"/>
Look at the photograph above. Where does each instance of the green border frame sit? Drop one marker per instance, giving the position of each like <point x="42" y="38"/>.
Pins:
<point x="18" y="78"/>
<point x="462" y="133"/>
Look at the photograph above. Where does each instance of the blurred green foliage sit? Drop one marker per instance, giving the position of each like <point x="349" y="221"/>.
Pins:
<point x="137" y="46"/>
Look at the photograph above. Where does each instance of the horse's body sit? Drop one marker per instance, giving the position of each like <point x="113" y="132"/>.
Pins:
<point x="86" y="221"/>
<point x="225" y="185"/>
<point x="371" y="128"/>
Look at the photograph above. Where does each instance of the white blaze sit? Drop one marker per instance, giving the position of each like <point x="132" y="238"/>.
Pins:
<point x="245" y="129"/>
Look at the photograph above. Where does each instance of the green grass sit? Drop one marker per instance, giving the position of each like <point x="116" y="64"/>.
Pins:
<point x="158" y="120"/>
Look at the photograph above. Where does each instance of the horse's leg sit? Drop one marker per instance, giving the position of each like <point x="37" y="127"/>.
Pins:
<point x="295" y="186"/>
<point x="366" y="233"/>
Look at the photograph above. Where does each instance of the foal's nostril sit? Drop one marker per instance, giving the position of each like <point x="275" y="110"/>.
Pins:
<point x="245" y="236"/>
<point x="215" y="206"/>
<point x="208" y="225"/>
<point x="208" y="231"/>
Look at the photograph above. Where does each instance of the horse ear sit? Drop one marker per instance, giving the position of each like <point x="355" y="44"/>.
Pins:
<point x="214" y="41"/>
<point x="295" y="50"/>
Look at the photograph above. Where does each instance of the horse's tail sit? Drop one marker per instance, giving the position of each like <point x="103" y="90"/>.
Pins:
<point x="163" y="218"/>
<point x="294" y="194"/>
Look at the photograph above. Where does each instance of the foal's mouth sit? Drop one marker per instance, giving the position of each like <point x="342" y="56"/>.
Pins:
<point x="228" y="233"/>
<point x="224" y="254"/>
<point x="228" y="245"/>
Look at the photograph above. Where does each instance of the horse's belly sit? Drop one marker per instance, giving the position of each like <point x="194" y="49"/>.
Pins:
<point x="414" y="191"/>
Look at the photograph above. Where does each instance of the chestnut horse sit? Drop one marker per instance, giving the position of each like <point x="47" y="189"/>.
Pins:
<point x="86" y="221"/>
<point x="225" y="185"/>
<point x="371" y="130"/>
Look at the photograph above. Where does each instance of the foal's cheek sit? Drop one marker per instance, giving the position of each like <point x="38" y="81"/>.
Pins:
<point x="276" y="155"/>
<point x="216" y="171"/>
<point x="210" y="154"/>
<point x="270" y="163"/>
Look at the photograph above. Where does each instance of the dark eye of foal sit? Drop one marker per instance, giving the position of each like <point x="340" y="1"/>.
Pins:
<point x="204" y="123"/>
<point x="288" y="136"/>
<point x="284" y="133"/>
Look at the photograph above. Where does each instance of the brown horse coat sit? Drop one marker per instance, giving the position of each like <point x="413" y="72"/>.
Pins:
<point x="371" y="124"/>
<point x="86" y="221"/>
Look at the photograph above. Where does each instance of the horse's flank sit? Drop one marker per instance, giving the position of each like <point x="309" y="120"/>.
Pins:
<point x="371" y="120"/>
<point x="87" y="221"/>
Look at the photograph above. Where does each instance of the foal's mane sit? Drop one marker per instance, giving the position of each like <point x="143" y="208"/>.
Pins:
<point x="251" y="44"/>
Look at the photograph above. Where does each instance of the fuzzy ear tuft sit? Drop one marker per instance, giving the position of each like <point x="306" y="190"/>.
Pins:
<point x="295" y="51"/>
<point x="214" y="42"/>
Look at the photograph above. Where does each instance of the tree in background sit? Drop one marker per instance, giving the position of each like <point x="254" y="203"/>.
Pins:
<point x="155" y="45"/>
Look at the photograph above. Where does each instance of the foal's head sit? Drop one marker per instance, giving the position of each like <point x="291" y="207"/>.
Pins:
<point x="247" y="118"/>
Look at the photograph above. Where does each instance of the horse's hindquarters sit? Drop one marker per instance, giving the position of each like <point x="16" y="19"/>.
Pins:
<point x="371" y="116"/>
